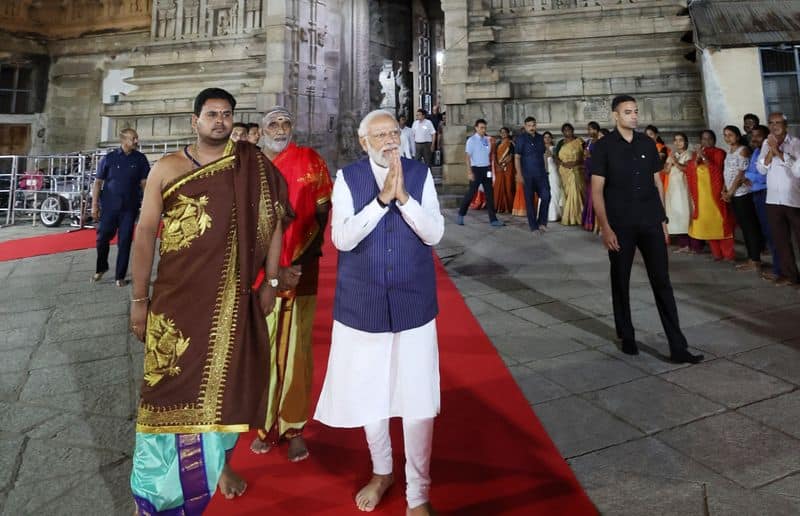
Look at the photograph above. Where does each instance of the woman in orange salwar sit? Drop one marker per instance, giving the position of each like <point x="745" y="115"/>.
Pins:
<point x="504" y="173"/>
<point x="711" y="219"/>
<point x="570" y="168"/>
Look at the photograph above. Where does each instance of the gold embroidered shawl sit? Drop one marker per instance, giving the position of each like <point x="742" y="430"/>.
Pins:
<point x="206" y="363"/>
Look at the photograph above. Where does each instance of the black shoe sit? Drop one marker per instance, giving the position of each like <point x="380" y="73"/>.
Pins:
<point x="685" y="357"/>
<point x="629" y="347"/>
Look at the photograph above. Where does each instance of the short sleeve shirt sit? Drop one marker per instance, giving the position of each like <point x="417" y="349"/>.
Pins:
<point x="630" y="192"/>
<point x="478" y="149"/>
<point x="734" y="162"/>
<point x="423" y="131"/>
<point x="122" y="176"/>
<point x="530" y="149"/>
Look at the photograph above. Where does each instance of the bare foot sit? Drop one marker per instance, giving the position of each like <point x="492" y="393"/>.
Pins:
<point x="230" y="484"/>
<point x="370" y="495"/>
<point x="260" y="447"/>
<point x="297" y="449"/>
<point x="421" y="510"/>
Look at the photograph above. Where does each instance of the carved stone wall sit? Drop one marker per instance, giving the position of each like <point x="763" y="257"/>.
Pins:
<point x="563" y="61"/>
<point x="59" y="19"/>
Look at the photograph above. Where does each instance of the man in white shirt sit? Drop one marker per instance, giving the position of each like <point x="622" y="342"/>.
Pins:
<point x="780" y="162"/>
<point x="479" y="172"/>
<point x="384" y="359"/>
<point x="406" y="139"/>
<point x="424" y="133"/>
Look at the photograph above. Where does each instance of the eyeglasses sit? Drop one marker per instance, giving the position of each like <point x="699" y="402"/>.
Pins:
<point x="394" y="134"/>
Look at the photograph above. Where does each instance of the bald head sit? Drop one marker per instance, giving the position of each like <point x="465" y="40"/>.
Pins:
<point x="128" y="139"/>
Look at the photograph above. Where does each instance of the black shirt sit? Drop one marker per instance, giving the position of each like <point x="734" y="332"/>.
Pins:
<point x="630" y="191"/>
<point x="530" y="149"/>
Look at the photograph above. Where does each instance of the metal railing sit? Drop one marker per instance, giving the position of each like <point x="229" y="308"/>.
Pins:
<point x="47" y="189"/>
<point x="50" y="188"/>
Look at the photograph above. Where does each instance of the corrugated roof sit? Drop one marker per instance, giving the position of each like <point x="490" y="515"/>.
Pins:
<point x="744" y="23"/>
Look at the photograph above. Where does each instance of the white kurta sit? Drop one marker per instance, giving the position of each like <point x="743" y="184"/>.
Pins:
<point x="375" y="376"/>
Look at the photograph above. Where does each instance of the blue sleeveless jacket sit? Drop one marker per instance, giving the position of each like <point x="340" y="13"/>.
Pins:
<point x="387" y="283"/>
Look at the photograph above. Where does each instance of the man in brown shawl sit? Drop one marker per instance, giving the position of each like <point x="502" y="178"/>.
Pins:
<point x="205" y="363"/>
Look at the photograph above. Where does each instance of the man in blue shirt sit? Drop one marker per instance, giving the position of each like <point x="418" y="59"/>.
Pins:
<point x="529" y="152"/>
<point x="116" y="196"/>
<point x="758" y="186"/>
<point x="478" y="172"/>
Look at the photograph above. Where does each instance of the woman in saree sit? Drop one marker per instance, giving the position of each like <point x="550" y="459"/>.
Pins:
<point x="711" y="219"/>
<point x="570" y="168"/>
<point x="677" y="203"/>
<point x="587" y="219"/>
<point x="504" y="173"/>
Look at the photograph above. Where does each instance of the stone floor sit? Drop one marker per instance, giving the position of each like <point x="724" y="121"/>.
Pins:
<point x="644" y="436"/>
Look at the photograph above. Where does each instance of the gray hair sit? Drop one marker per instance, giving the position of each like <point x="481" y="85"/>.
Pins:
<point x="780" y="114"/>
<point x="362" y="127"/>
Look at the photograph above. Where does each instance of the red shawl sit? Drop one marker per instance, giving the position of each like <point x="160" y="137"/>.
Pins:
<point x="715" y="160"/>
<point x="310" y="186"/>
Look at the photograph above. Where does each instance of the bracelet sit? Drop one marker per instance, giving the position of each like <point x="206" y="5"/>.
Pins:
<point x="140" y="300"/>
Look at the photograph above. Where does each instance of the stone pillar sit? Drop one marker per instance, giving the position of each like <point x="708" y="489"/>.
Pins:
<point x="452" y="85"/>
<point x="179" y="19"/>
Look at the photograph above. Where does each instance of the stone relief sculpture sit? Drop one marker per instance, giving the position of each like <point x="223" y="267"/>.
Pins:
<point x="222" y="23"/>
<point x="349" y="148"/>
<point x="386" y="79"/>
<point x="598" y="110"/>
<point x="402" y="88"/>
<point x="191" y="18"/>
<point x="252" y="14"/>
<point x="375" y="86"/>
<point x="165" y="11"/>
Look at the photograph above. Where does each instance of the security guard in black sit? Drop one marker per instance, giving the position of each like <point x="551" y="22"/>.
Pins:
<point x="630" y="192"/>
<point x="634" y="219"/>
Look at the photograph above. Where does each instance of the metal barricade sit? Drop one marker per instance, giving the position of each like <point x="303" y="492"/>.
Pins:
<point x="8" y="174"/>
<point x="48" y="189"/>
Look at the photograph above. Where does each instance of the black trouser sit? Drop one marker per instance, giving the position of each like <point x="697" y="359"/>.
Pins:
<point x="783" y="222"/>
<point x="650" y="241"/>
<point x="110" y="223"/>
<point x="480" y="175"/>
<point x="538" y="184"/>
<point x="747" y="218"/>
<point x="423" y="152"/>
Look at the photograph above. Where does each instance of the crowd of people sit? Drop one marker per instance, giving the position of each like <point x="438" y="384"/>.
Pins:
<point x="233" y="352"/>
<point x="751" y="181"/>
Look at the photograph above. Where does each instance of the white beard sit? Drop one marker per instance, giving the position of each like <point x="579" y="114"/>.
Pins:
<point x="276" y="146"/>
<point x="377" y="155"/>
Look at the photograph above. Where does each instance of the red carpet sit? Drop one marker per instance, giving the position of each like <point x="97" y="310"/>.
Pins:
<point x="490" y="453"/>
<point x="48" y="244"/>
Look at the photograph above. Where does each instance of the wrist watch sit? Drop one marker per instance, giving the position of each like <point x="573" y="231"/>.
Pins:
<point x="272" y="282"/>
<point x="666" y="220"/>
